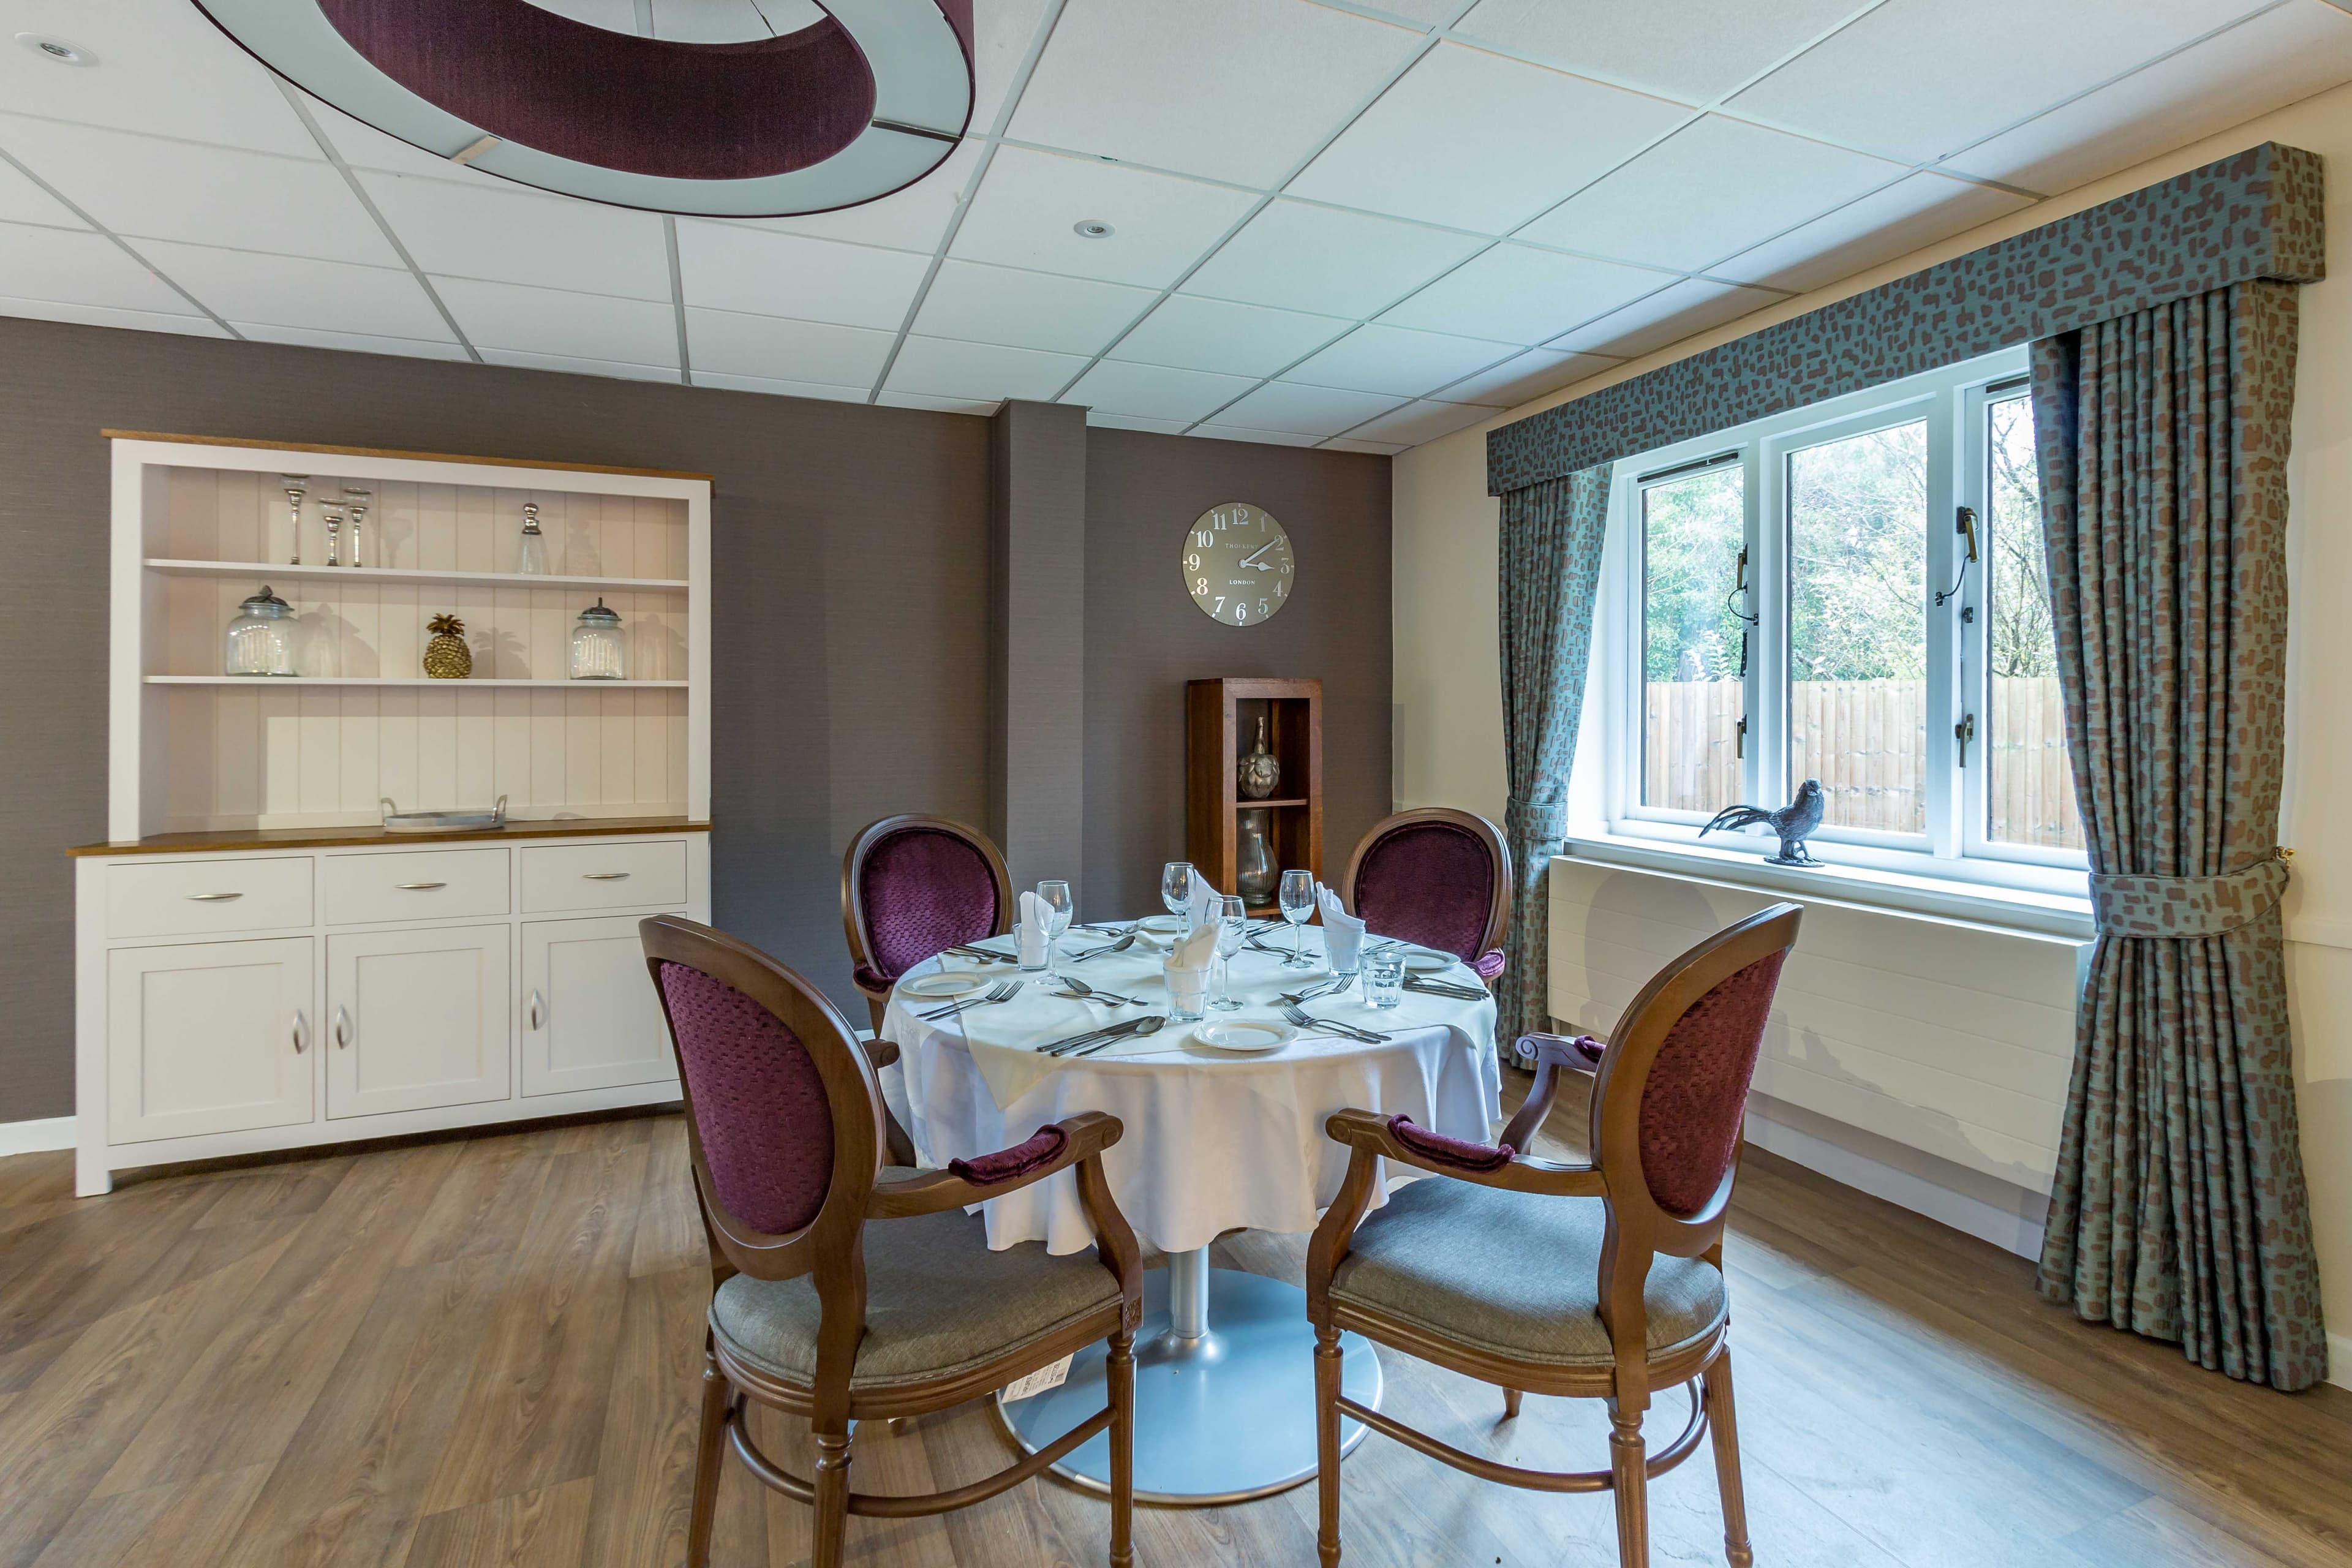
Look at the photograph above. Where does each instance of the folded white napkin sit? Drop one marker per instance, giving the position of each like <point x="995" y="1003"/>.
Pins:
<point x="1205" y="899"/>
<point x="1032" y="931"/>
<point x="1195" y="950"/>
<point x="1343" y="933"/>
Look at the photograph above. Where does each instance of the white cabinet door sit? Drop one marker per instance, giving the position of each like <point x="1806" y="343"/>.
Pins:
<point x="590" y="1017"/>
<point x="418" y="1018"/>
<point x="208" y="1037"/>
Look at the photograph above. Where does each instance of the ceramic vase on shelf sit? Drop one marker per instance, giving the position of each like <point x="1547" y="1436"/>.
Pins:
<point x="447" y="656"/>
<point x="1255" y="876"/>
<point x="261" y="639"/>
<point x="1260" y="773"/>
<point x="530" y="554"/>
<point x="598" y="651"/>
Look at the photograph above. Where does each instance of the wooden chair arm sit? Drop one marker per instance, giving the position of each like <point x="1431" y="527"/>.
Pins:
<point x="1370" y="1134"/>
<point x="879" y="1051"/>
<point x="1554" y="1055"/>
<point x="1083" y="1136"/>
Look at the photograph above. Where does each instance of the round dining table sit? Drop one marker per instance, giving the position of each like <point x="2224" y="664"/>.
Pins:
<point x="1216" y="1141"/>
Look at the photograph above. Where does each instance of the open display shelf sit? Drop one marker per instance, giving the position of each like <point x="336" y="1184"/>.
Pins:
<point x="1221" y="720"/>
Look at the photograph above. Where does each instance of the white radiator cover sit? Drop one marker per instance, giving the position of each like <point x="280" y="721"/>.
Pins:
<point x="1946" y="1036"/>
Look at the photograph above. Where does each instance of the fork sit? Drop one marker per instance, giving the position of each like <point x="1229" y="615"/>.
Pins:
<point x="1297" y="1015"/>
<point x="1002" y="991"/>
<point x="1331" y="987"/>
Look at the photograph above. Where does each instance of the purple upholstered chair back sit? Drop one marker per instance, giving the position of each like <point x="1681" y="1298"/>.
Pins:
<point x="923" y="888"/>
<point x="1698" y="1087"/>
<point x="1430" y="882"/>
<point x="760" y="1108"/>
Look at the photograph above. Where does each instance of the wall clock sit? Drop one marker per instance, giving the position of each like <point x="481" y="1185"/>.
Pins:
<point x="1237" y="563"/>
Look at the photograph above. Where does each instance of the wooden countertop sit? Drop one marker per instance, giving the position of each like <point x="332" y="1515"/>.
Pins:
<point x="337" y="838"/>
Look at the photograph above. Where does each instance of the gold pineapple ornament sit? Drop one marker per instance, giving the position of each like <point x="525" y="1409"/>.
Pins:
<point x="447" y="656"/>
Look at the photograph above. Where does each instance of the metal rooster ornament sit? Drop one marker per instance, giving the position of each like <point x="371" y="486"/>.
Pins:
<point x="1793" y="822"/>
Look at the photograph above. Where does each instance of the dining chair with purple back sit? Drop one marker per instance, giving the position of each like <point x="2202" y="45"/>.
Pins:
<point x="1439" y="878"/>
<point x="845" y="1289"/>
<point x="912" y="887"/>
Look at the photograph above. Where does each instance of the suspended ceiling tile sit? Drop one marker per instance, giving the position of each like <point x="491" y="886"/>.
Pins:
<point x="913" y="218"/>
<point x="76" y="266"/>
<point x="1671" y="314"/>
<point x="1029" y="204"/>
<point x="987" y="305"/>
<point x="1519" y="294"/>
<point x="1262" y="437"/>
<point x="1162" y="84"/>
<point x="939" y="367"/>
<point x="1397" y="360"/>
<point x="1304" y="410"/>
<point x="352" y="342"/>
<point x="1423" y="421"/>
<point x="1226" y="337"/>
<point x="1920" y="79"/>
<point x="510" y="236"/>
<point x="362" y="146"/>
<point x="1097" y="419"/>
<point x="190" y="325"/>
<point x="23" y="201"/>
<point x="1710" y="190"/>
<point x="159" y="189"/>
<point x="613" y="369"/>
<point x="297" y="291"/>
<point x="1302" y="257"/>
<point x="1155" y="392"/>
<point x="550" y="321"/>
<point x="1694" y="50"/>
<point x="1531" y="374"/>
<point x="1894" y="222"/>
<point x="768" y="274"/>
<point x="734" y="344"/>
<point x="2262" y="63"/>
<point x="1478" y="142"/>
<point x="1003" y="31"/>
<point x="162" y="69"/>
<point x="774" y="388"/>
<point x="1375" y="448"/>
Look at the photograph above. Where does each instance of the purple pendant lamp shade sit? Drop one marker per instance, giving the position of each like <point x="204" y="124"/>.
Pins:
<point x="863" y="102"/>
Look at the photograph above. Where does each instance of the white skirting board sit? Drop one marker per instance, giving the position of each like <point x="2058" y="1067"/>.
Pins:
<point x="2339" y="1360"/>
<point x="34" y="1137"/>
<point x="2009" y="1216"/>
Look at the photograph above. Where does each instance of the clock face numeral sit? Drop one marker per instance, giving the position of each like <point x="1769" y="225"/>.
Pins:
<point x="1238" y="563"/>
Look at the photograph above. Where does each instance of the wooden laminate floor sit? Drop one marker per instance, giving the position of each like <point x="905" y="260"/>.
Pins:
<point x="486" y="1351"/>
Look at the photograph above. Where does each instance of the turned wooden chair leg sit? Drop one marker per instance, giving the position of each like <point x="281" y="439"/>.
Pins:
<point x="1630" y="1476"/>
<point x="1326" y="1444"/>
<point x="831" y="1530"/>
<point x="1119" y="1372"/>
<point x="1723" y="1428"/>
<point x="709" y="1448"/>
<point x="1510" y="1404"/>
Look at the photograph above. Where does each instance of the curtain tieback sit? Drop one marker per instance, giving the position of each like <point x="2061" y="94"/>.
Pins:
<point x="2185" y="906"/>
<point x="1536" y="822"/>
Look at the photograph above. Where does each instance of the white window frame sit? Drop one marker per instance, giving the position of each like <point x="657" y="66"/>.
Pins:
<point x="1953" y="403"/>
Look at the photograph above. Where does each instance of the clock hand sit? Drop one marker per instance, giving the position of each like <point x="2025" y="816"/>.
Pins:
<point x="1250" y="559"/>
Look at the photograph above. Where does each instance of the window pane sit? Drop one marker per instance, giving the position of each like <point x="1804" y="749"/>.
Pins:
<point x="1693" y="655"/>
<point x="2029" y="792"/>
<point x="1857" y="627"/>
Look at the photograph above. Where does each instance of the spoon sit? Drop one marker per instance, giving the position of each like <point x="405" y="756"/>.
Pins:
<point x="1103" y="1035"/>
<point x="1121" y="945"/>
<point x="1079" y="991"/>
<point x="1144" y="1026"/>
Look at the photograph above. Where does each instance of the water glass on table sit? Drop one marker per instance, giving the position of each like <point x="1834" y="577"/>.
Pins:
<point x="1298" y="902"/>
<point x="1055" y="898"/>
<point x="1232" y="927"/>
<point x="1188" y="993"/>
<point x="1384" y="976"/>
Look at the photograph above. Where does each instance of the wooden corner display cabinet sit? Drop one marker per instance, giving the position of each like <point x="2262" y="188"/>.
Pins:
<point x="259" y="963"/>
<point x="1221" y="724"/>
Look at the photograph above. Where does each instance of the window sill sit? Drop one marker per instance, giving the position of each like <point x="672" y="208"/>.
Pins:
<point x="2008" y="909"/>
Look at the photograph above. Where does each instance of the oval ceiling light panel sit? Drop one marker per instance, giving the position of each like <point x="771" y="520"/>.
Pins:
<point x="862" y="102"/>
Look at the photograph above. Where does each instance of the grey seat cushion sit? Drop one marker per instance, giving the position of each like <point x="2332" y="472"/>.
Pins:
<point x="1512" y="1273"/>
<point x="937" y="1301"/>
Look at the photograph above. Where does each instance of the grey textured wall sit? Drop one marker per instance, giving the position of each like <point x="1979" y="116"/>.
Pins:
<point x="850" y="608"/>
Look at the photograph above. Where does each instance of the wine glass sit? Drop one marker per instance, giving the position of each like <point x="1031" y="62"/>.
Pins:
<point x="1233" y="925"/>
<point x="1176" y="887"/>
<point x="1055" y="898"/>
<point x="1298" y="898"/>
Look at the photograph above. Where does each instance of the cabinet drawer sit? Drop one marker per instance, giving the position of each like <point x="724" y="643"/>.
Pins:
<point x="414" y="885"/>
<point x="204" y="898"/>
<point x="614" y="875"/>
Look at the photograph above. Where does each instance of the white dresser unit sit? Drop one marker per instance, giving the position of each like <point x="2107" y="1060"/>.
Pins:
<point x="259" y="963"/>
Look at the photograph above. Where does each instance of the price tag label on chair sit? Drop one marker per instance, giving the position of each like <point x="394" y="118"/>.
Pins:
<point x="1039" y="1381"/>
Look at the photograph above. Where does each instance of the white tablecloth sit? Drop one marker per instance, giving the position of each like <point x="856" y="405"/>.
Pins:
<point x="1214" y="1140"/>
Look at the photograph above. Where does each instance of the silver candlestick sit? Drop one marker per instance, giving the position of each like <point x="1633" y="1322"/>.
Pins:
<point x="334" y="521"/>
<point x="295" y="484"/>
<point x="357" y="505"/>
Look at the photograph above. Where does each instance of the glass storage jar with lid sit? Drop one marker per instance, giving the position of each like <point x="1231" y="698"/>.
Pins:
<point x="598" y="651"/>
<point x="261" y="639"/>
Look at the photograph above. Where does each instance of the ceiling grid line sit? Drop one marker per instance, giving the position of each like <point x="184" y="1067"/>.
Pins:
<point x="678" y="296"/>
<point x="120" y="244"/>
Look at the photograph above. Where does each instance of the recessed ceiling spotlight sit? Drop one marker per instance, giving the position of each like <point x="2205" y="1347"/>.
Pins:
<point x="57" y="49"/>
<point x="1093" y="228"/>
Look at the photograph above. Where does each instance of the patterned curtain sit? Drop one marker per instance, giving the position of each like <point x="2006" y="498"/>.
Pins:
<point x="1548" y="573"/>
<point x="2179" y="1210"/>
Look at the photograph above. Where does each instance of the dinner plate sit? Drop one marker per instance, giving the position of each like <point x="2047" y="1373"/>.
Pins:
<point x="947" y="983"/>
<point x="1160" y="929"/>
<point x="1248" y="1034"/>
<point x="1419" y="963"/>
